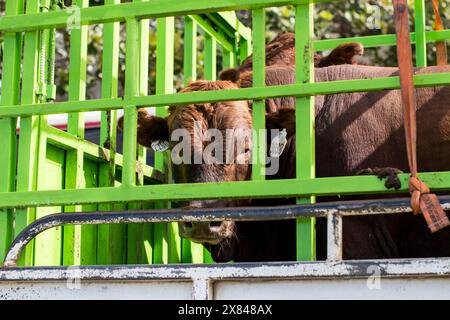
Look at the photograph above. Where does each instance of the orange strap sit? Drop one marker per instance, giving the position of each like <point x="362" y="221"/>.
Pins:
<point x="441" y="47"/>
<point x="421" y="198"/>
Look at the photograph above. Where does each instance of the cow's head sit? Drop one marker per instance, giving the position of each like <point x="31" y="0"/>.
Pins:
<point x="209" y="142"/>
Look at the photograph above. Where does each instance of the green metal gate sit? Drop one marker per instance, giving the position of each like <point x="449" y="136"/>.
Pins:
<point x="49" y="170"/>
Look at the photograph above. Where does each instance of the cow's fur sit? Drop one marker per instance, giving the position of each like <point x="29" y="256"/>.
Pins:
<point x="281" y="51"/>
<point x="360" y="130"/>
<point x="353" y="131"/>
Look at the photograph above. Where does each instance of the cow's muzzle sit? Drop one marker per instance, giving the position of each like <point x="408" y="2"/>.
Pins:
<point x="211" y="232"/>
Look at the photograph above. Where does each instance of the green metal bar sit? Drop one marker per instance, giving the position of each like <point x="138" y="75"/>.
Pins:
<point x="111" y="238"/>
<point x="130" y="115"/>
<point x="140" y="236"/>
<point x="433" y="36"/>
<point x="210" y="58"/>
<point x="208" y="29"/>
<point x="223" y="190"/>
<point x="104" y="14"/>
<point x="228" y="24"/>
<point x="190" y="252"/>
<point x="63" y="107"/>
<point x="228" y="59"/>
<point x="167" y="246"/>
<point x="67" y="141"/>
<point x="77" y="249"/>
<point x="295" y="90"/>
<point x="210" y="74"/>
<point x="419" y="27"/>
<point x="124" y="11"/>
<point x="29" y="133"/>
<point x="48" y="245"/>
<point x="162" y="100"/>
<point x="10" y="96"/>
<point x="77" y="73"/>
<point x="379" y="40"/>
<point x="259" y="106"/>
<point x="245" y="49"/>
<point x="233" y="22"/>
<point x="50" y="81"/>
<point x="304" y="124"/>
<point x="129" y="147"/>
<point x="190" y="50"/>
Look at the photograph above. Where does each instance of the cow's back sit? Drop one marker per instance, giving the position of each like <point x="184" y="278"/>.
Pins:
<point x="359" y="130"/>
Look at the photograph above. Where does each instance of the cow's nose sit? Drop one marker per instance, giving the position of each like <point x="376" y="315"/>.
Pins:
<point x="200" y="231"/>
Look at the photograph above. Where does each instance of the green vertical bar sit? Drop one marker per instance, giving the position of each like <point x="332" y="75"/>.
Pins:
<point x="190" y="251"/>
<point x="245" y="49"/>
<point x="77" y="72"/>
<point x="29" y="132"/>
<point x="304" y="123"/>
<point x="227" y="59"/>
<point x="167" y="244"/>
<point x="419" y="28"/>
<point x="259" y="107"/>
<point x="111" y="238"/>
<point x="48" y="244"/>
<point x="79" y="247"/>
<point x="210" y="57"/>
<point x="47" y="248"/>
<point x="210" y="74"/>
<point x="139" y="236"/>
<point x="130" y="113"/>
<point x="132" y="80"/>
<point x="190" y="50"/>
<point x="10" y="96"/>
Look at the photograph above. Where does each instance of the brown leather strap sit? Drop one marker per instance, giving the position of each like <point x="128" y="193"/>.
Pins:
<point x="421" y="199"/>
<point x="441" y="47"/>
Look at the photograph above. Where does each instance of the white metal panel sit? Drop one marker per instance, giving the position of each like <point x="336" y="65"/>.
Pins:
<point x="96" y="290"/>
<point x="365" y="289"/>
<point x="370" y="279"/>
<point x="304" y="289"/>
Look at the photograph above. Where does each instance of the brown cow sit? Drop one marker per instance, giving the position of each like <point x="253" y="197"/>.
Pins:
<point x="281" y="51"/>
<point x="353" y="131"/>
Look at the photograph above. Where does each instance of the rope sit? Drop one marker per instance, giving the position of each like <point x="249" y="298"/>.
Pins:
<point x="421" y="198"/>
<point x="441" y="47"/>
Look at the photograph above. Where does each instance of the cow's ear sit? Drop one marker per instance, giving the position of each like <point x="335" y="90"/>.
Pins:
<point x="282" y="120"/>
<point x="149" y="129"/>
<point x="231" y="74"/>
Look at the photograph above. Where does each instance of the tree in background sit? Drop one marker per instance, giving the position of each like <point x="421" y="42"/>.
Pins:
<point x="332" y="20"/>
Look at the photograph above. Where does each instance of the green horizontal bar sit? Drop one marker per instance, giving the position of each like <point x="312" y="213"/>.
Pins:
<point x="130" y="10"/>
<point x="433" y="36"/>
<point x="64" y="107"/>
<point x="379" y="40"/>
<point x="242" y="189"/>
<point x="294" y="90"/>
<point x="206" y="27"/>
<point x="367" y="41"/>
<point x="67" y="141"/>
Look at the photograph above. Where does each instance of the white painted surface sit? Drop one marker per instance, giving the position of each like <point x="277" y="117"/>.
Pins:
<point x="304" y="289"/>
<point x="371" y="279"/>
<point x="96" y="290"/>
<point x="332" y="289"/>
